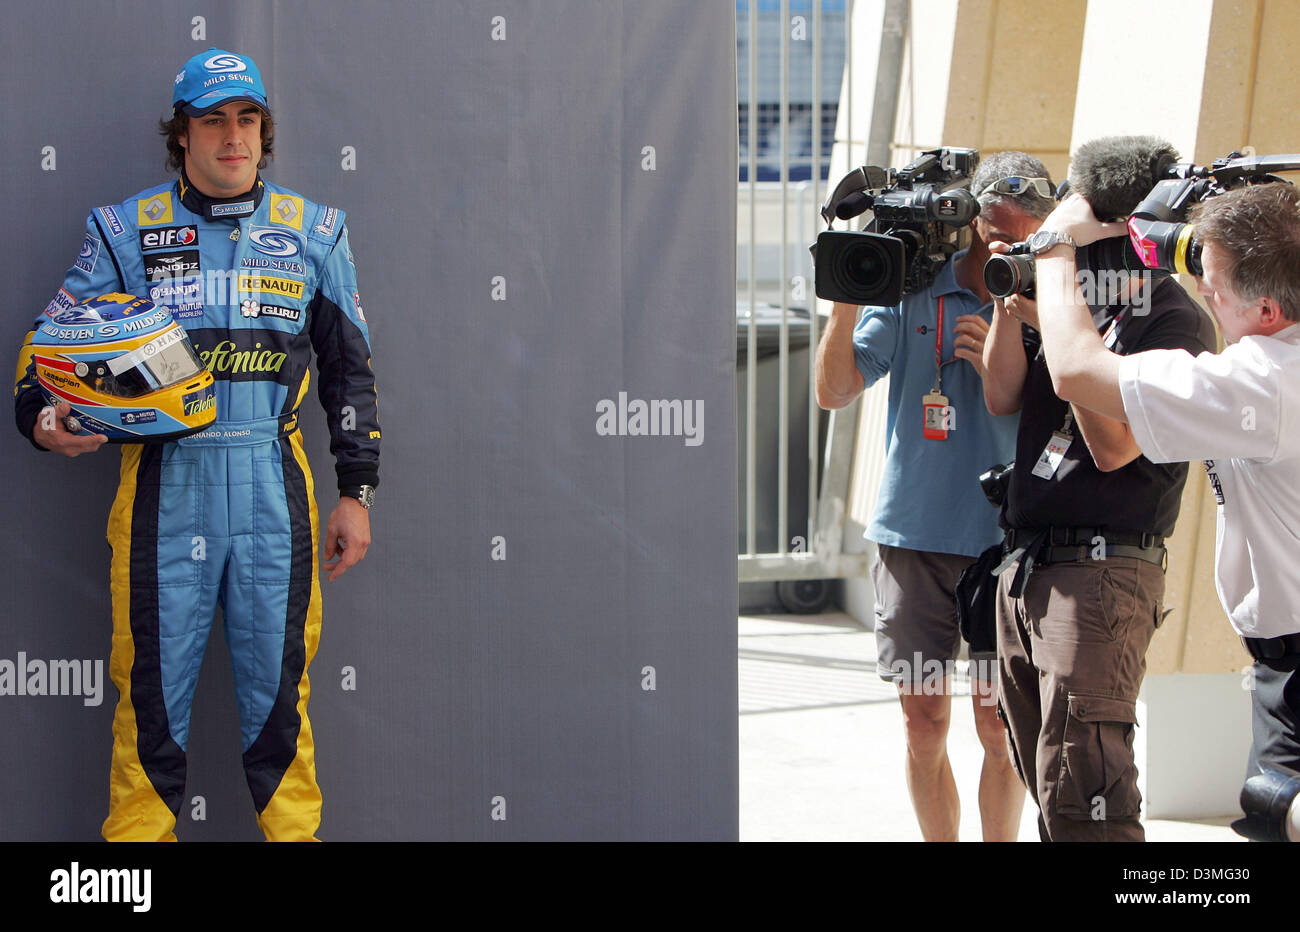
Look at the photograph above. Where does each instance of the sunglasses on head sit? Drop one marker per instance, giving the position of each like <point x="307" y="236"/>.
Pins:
<point x="1017" y="185"/>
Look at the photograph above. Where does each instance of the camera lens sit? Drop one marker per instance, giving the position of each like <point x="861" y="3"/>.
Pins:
<point x="860" y="268"/>
<point x="1005" y="275"/>
<point x="866" y="266"/>
<point x="1000" y="276"/>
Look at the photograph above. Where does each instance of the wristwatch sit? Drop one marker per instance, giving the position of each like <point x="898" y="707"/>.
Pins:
<point x="365" y="494"/>
<point x="1044" y="240"/>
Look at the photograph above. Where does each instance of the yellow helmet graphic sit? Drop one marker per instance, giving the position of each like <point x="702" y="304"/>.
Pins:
<point x="127" y="369"/>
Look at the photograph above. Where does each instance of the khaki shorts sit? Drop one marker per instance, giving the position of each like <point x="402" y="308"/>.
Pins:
<point x="917" y="634"/>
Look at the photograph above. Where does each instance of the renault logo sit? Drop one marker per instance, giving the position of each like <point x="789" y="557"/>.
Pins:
<point x="153" y="210"/>
<point x="286" y="210"/>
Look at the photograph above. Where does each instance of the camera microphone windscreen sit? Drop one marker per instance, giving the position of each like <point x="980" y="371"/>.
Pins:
<point x="853" y="206"/>
<point x="1115" y="173"/>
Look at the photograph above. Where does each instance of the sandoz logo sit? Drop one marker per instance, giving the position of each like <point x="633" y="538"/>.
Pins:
<point x="273" y="242"/>
<point x="224" y="64"/>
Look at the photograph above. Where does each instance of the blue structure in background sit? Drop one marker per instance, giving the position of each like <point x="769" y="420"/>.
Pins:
<point x="765" y="104"/>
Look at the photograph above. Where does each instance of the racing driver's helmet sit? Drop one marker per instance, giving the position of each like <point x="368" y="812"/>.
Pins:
<point x="127" y="369"/>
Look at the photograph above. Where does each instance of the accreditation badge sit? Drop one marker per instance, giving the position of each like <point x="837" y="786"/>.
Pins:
<point x="1050" y="459"/>
<point x="937" y="416"/>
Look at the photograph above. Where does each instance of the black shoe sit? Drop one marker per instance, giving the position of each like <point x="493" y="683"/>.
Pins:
<point x="1266" y="800"/>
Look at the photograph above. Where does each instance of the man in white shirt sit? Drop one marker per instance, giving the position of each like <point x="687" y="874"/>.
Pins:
<point x="1238" y="410"/>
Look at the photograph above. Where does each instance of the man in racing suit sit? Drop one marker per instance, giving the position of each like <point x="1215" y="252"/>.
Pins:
<point x="259" y="277"/>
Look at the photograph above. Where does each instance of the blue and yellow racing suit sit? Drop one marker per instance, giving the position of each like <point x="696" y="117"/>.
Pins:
<point x="226" y="516"/>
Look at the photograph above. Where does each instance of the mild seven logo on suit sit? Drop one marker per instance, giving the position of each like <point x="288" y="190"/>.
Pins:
<point x="89" y="255"/>
<point x="272" y="242"/>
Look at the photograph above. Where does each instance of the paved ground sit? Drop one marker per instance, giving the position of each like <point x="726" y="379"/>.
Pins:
<point x="821" y="742"/>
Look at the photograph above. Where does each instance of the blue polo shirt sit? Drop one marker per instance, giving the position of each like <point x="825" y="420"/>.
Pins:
<point x="930" y="497"/>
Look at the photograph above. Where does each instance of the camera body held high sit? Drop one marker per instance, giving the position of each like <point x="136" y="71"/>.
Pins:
<point x="918" y="212"/>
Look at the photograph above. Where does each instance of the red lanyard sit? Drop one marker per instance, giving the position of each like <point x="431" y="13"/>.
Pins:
<point x="938" y="350"/>
<point x="938" y="340"/>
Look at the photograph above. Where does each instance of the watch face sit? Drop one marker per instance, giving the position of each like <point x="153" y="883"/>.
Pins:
<point x="364" y="494"/>
<point x="1039" y="241"/>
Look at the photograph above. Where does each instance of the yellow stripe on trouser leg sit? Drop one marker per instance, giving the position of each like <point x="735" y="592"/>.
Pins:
<point x="135" y="810"/>
<point x="293" y="812"/>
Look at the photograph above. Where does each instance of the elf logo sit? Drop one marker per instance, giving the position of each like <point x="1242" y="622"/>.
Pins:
<point x="168" y="237"/>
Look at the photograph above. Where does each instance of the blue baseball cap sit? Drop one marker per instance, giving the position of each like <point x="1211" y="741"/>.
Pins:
<point x="216" y="77"/>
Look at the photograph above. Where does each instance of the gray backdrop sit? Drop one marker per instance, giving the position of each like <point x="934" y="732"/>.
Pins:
<point x="476" y="156"/>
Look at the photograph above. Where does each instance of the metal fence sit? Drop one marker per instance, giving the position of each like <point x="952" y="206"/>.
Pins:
<point x="813" y="549"/>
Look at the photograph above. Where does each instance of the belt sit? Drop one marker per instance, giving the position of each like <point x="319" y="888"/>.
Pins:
<point x="1079" y="536"/>
<point x="244" y="433"/>
<point x="1272" y="648"/>
<point x="1032" y="546"/>
<point x="1154" y="555"/>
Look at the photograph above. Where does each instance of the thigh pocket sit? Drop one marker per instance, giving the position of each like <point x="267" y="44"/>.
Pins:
<point x="1098" y="778"/>
<point x="1117" y="588"/>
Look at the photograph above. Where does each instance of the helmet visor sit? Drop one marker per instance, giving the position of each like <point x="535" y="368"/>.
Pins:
<point x="166" y="360"/>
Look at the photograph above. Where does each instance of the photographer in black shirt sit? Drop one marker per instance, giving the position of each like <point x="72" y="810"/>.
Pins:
<point x="1086" y="516"/>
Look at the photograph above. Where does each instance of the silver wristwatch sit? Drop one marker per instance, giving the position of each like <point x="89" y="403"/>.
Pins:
<point x="1044" y="240"/>
<point x="365" y="494"/>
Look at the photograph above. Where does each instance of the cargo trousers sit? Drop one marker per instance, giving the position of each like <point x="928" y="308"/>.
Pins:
<point x="1071" y="657"/>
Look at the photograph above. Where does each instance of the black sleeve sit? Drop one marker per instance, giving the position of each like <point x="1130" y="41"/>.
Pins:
<point x="346" y="382"/>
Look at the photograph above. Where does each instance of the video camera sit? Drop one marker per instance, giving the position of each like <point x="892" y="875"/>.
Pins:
<point x="918" y="212"/>
<point x="1158" y="228"/>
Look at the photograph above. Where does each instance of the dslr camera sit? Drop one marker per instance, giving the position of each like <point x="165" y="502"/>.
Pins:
<point x="1011" y="272"/>
<point x="1158" y="229"/>
<point x="918" y="213"/>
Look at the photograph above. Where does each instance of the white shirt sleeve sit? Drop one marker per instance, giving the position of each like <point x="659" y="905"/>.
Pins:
<point x="1211" y="406"/>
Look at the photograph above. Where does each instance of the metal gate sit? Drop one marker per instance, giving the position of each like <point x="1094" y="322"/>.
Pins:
<point x="804" y="47"/>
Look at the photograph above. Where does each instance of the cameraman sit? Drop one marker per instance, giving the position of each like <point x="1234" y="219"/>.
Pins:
<point x="1086" y="521"/>
<point x="931" y="519"/>
<point x="1236" y="410"/>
